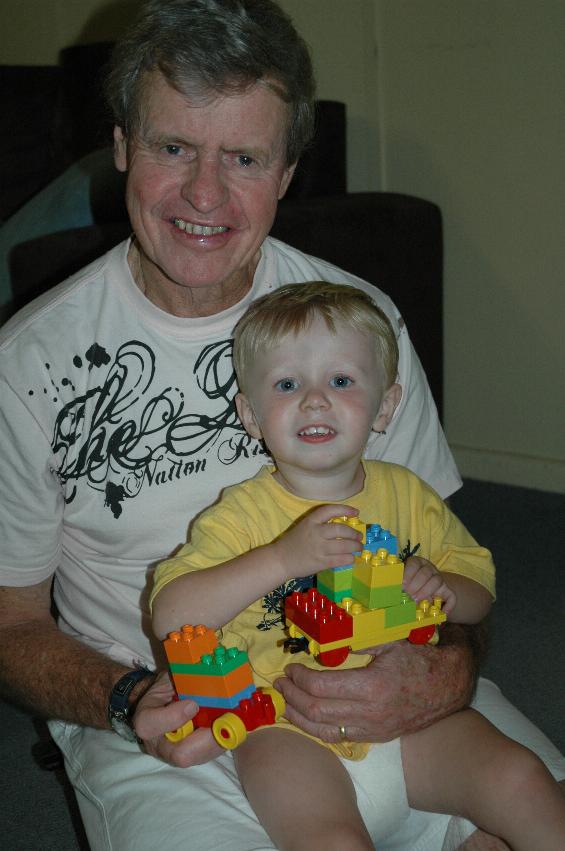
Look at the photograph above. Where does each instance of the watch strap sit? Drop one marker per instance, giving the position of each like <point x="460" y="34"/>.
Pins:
<point x="119" y="696"/>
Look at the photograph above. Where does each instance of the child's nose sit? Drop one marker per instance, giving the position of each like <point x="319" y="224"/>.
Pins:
<point x="315" y="399"/>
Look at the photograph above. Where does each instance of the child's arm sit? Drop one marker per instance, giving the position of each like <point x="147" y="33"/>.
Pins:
<point x="215" y="595"/>
<point x="465" y="601"/>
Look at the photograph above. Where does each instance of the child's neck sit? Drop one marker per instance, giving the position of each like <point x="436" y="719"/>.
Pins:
<point x="330" y="486"/>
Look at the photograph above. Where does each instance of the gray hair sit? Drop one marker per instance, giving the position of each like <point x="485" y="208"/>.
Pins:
<point x="208" y="47"/>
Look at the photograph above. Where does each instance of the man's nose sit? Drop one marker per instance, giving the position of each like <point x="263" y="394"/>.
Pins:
<point x="203" y="186"/>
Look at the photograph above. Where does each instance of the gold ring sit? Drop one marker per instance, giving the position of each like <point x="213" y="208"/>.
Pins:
<point x="342" y="732"/>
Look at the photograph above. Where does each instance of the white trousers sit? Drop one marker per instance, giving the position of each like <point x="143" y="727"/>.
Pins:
<point x="131" y="802"/>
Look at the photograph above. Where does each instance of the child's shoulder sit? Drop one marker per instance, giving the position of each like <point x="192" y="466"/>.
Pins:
<point x="249" y="489"/>
<point x="397" y="475"/>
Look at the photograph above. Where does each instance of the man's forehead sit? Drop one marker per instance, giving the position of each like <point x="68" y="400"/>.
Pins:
<point x="155" y="89"/>
<point x="252" y="108"/>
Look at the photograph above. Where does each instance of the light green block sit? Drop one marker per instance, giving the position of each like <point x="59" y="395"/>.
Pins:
<point x="338" y="580"/>
<point x="216" y="664"/>
<point x="404" y="613"/>
<point x="376" y="598"/>
<point x="335" y="596"/>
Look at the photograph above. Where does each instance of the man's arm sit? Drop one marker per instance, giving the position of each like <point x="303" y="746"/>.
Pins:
<point x="56" y="676"/>
<point x="405" y="688"/>
<point x="47" y="671"/>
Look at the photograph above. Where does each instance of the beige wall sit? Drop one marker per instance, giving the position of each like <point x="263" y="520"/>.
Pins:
<point x="473" y="117"/>
<point x="462" y="102"/>
<point x="33" y="31"/>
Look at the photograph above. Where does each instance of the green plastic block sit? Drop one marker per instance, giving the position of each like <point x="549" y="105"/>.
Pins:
<point x="376" y="598"/>
<point x="337" y="580"/>
<point x="404" y="613"/>
<point x="335" y="596"/>
<point x="221" y="662"/>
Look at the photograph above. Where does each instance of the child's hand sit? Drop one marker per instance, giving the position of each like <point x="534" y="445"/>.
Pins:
<point x="313" y="544"/>
<point x="423" y="581"/>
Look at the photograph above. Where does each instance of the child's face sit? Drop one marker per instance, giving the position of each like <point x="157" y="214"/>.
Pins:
<point x="315" y="398"/>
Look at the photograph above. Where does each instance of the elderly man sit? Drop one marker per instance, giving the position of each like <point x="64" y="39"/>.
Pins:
<point x="119" y="427"/>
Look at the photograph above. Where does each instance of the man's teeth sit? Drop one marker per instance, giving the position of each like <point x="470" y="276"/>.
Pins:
<point x="198" y="230"/>
<point x="313" y="430"/>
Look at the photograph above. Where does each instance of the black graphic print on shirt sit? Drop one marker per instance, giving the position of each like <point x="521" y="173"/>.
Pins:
<point x="273" y="602"/>
<point x="127" y="431"/>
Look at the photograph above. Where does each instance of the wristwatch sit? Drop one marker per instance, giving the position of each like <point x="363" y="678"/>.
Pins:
<point x="119" y="710"/>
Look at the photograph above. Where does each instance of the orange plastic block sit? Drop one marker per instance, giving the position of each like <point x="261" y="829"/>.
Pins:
<point x="215" y="686"/>
<point x="190" y="643"/>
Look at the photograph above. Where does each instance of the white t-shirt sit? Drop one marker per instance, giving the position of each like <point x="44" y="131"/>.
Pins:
<point x="118" y="426"/>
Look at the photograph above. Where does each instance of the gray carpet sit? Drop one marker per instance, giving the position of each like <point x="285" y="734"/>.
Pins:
<point x="526" y="532"/>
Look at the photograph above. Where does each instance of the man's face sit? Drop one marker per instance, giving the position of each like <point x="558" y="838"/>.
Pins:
<point x="202" y="190"/>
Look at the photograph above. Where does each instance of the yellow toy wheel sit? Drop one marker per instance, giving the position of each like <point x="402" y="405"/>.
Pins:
<point x="278" y="701"/>
<point x="313" y="647"/>
<point x="182" y="732"/>
<point x="229" y="731"/>
<point x="293" y="631"/>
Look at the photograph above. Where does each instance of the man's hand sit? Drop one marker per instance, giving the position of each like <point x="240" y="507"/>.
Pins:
<point x="157" y="713"/>
<point x="405" y="688"/>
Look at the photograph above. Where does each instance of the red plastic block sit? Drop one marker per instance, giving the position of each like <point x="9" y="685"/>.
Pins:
<point x="318" y="616"/>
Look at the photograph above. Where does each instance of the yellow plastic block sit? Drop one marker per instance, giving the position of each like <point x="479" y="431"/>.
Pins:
<point x="354" y="522"/>
<point x="378" y="570"/>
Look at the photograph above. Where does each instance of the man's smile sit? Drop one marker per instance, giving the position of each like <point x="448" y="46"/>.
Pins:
<point x="198" y="230"/>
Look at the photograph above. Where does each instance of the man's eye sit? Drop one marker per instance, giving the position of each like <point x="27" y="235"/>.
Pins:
<point x="286" y="384"/>
<point x="245" y="161"/>
<point x="174" y="150"/>
<point x="341" y="381"/>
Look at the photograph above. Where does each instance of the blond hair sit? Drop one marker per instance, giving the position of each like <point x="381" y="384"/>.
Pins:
<point x="291" y="309"/>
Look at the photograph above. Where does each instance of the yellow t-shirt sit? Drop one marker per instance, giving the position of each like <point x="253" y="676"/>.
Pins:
<point x="256" y="511"/>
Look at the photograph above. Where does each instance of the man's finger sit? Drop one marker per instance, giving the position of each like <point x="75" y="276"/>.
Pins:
<point x="196" y="749"/>
<point x="348" y="683"/>
<point x="152" y="721"/>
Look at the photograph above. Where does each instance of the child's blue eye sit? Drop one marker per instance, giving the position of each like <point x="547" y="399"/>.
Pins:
<point x="340" y="381"/>
<point x="286" y="384"/>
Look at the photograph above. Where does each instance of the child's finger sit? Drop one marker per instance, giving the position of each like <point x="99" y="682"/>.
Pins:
<point x="325" y="513"/>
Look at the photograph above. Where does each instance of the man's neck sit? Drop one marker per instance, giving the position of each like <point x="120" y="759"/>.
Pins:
<point x="186" y="301"/>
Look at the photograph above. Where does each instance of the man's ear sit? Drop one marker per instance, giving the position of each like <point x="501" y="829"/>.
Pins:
<point x="285" y="180"/>
<point x="120" y="150"/>
<point x="247" y="416"/>
<point x="389" y="404"/>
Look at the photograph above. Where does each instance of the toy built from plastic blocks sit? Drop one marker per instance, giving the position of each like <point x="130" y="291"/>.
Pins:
<point x="361" y="605"/>
<point x="220" y="681"/>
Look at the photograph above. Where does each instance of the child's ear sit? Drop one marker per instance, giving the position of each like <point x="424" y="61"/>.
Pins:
<point x="247" y="416"/>
<point x="389" y="404"/>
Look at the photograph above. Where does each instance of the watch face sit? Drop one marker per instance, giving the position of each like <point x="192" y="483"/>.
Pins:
<point x="122" y="728"/>
<point x="119" y="709"/>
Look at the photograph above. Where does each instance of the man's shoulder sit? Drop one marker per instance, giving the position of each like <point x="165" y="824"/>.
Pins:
<point x="54" y="311"/>
<point x="290" y="265"/>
